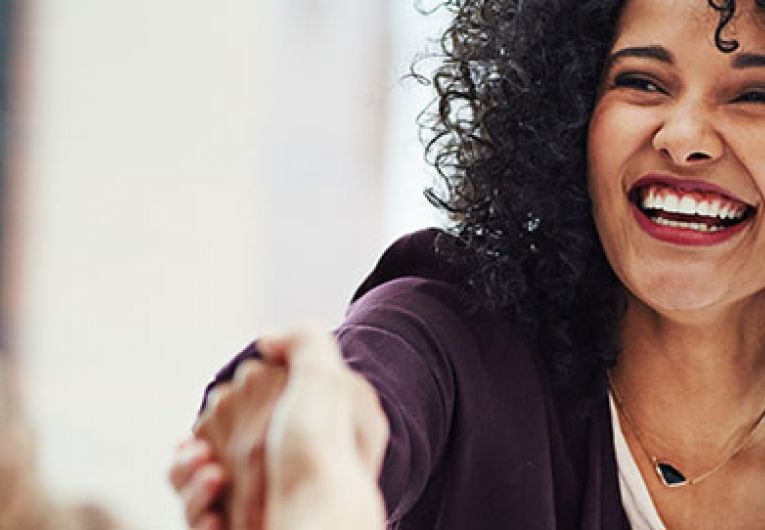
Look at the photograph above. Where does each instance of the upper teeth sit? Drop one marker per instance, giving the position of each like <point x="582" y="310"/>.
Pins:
<point x="669" y="200"/>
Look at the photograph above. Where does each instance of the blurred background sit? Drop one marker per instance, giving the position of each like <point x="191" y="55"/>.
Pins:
<point x="182" y="176"/>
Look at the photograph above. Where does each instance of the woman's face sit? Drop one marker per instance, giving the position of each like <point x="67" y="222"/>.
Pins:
<point x="677" y="155"/>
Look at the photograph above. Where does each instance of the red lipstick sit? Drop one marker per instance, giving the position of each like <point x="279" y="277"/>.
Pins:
<point x="688" y="225"/>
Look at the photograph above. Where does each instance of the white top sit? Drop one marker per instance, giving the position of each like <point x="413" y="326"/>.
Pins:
<point x="637" y="502"/>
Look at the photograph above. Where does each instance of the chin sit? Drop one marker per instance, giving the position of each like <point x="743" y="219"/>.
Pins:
<point x="670" y="293"/>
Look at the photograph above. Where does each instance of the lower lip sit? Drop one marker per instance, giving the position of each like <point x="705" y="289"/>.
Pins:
<point x="685" y="236"/>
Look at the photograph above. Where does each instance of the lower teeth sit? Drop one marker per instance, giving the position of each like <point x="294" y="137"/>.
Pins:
<point x="699" y="227"/>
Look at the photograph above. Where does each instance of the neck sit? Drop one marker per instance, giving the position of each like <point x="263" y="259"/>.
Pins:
<point x="692" y="381"/>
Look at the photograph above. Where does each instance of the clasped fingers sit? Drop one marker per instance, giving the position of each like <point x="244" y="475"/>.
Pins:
<point x="235" y="420"/>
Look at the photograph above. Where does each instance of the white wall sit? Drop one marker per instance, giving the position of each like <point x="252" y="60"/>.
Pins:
<point x="406" y="175"/>
<point x="197" y="173"/>
<point x="141" y="234"/>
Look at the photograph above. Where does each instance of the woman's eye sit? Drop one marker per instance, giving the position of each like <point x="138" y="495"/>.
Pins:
<point x="637" y="82"/>
<point x="751" y="96"/>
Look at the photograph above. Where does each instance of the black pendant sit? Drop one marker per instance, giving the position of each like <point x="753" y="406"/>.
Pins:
<point x="670" y="476"/>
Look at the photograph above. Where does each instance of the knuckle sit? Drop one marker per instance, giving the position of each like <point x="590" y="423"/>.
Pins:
<point x="174" y="479"/>
<point x="202" y="425"/>
<point x="246" y="374"/>
<point x="199" y="494"/>
<point x="274" y="377"/>
<point x="314" y="345"/>
<point x="218" y="399"/>
<point x="178" y="468"/>
<point x="255" y="378"/>
<point x="212" y="398"/>
<point x="260" y="386"/>
<point x="205" y="422"/>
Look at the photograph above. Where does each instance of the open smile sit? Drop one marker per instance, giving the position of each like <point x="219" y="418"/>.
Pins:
<point x="688" y="212"/>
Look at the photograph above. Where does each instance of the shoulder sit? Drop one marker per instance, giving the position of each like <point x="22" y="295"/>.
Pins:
<point x="413" y="275"/>
<point x="414" y="291"/>
<point x="414" y="256"/>
<point x="415" y="305"/>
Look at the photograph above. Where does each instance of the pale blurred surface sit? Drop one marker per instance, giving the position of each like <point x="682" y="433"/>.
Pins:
<point x="196" y="174"/>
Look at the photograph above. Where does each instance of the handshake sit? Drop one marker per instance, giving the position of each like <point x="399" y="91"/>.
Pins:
<point x="294" y="441"/>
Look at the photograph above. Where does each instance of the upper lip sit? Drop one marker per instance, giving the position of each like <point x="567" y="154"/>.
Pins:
<point x="687" y="184"/>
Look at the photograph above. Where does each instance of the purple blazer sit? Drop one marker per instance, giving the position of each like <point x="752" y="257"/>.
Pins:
<point x="480" y="440"/>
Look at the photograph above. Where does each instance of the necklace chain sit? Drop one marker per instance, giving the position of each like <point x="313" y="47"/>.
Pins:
<point x="722" y="462"/>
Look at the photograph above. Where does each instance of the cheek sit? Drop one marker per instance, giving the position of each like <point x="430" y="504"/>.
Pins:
<point x="619" y="139"/>
<point x="615" y="131"/>
<point x="747" y="146"/>
<point x="616" y="151"/>
<point x="605" y="146"/>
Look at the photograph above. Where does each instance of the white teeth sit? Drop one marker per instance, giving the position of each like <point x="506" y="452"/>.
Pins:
<point x="714" y="207"/>
<point x="687" y="205"/>
<point x="664" y="199"/>
<point x="703" y="208"/>
<point x="698" y="227"/>
<point x="671" y="203"/>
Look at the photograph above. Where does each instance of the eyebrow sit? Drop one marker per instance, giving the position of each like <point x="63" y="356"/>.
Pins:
<point x="660" y="53"/>
<point x="748" y="60"/>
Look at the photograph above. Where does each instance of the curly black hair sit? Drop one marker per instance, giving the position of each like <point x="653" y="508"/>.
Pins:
<point x="508" y="137"/>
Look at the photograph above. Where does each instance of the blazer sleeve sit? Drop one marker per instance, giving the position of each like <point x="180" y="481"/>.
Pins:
<point x="393" y="336"/>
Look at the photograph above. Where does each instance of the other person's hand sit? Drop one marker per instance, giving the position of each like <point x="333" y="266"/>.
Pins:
<point x="235" y="424"/>
<point x="326" y="441"/>
<point x="198" y="479"/>
<point x="223" y="463"/>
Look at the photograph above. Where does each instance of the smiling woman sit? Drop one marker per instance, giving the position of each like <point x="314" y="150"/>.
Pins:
<point x="584" y="347"/>
<point x="678" y="210"/>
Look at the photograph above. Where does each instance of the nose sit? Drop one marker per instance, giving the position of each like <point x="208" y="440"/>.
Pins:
<point x="688" y="137"/>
